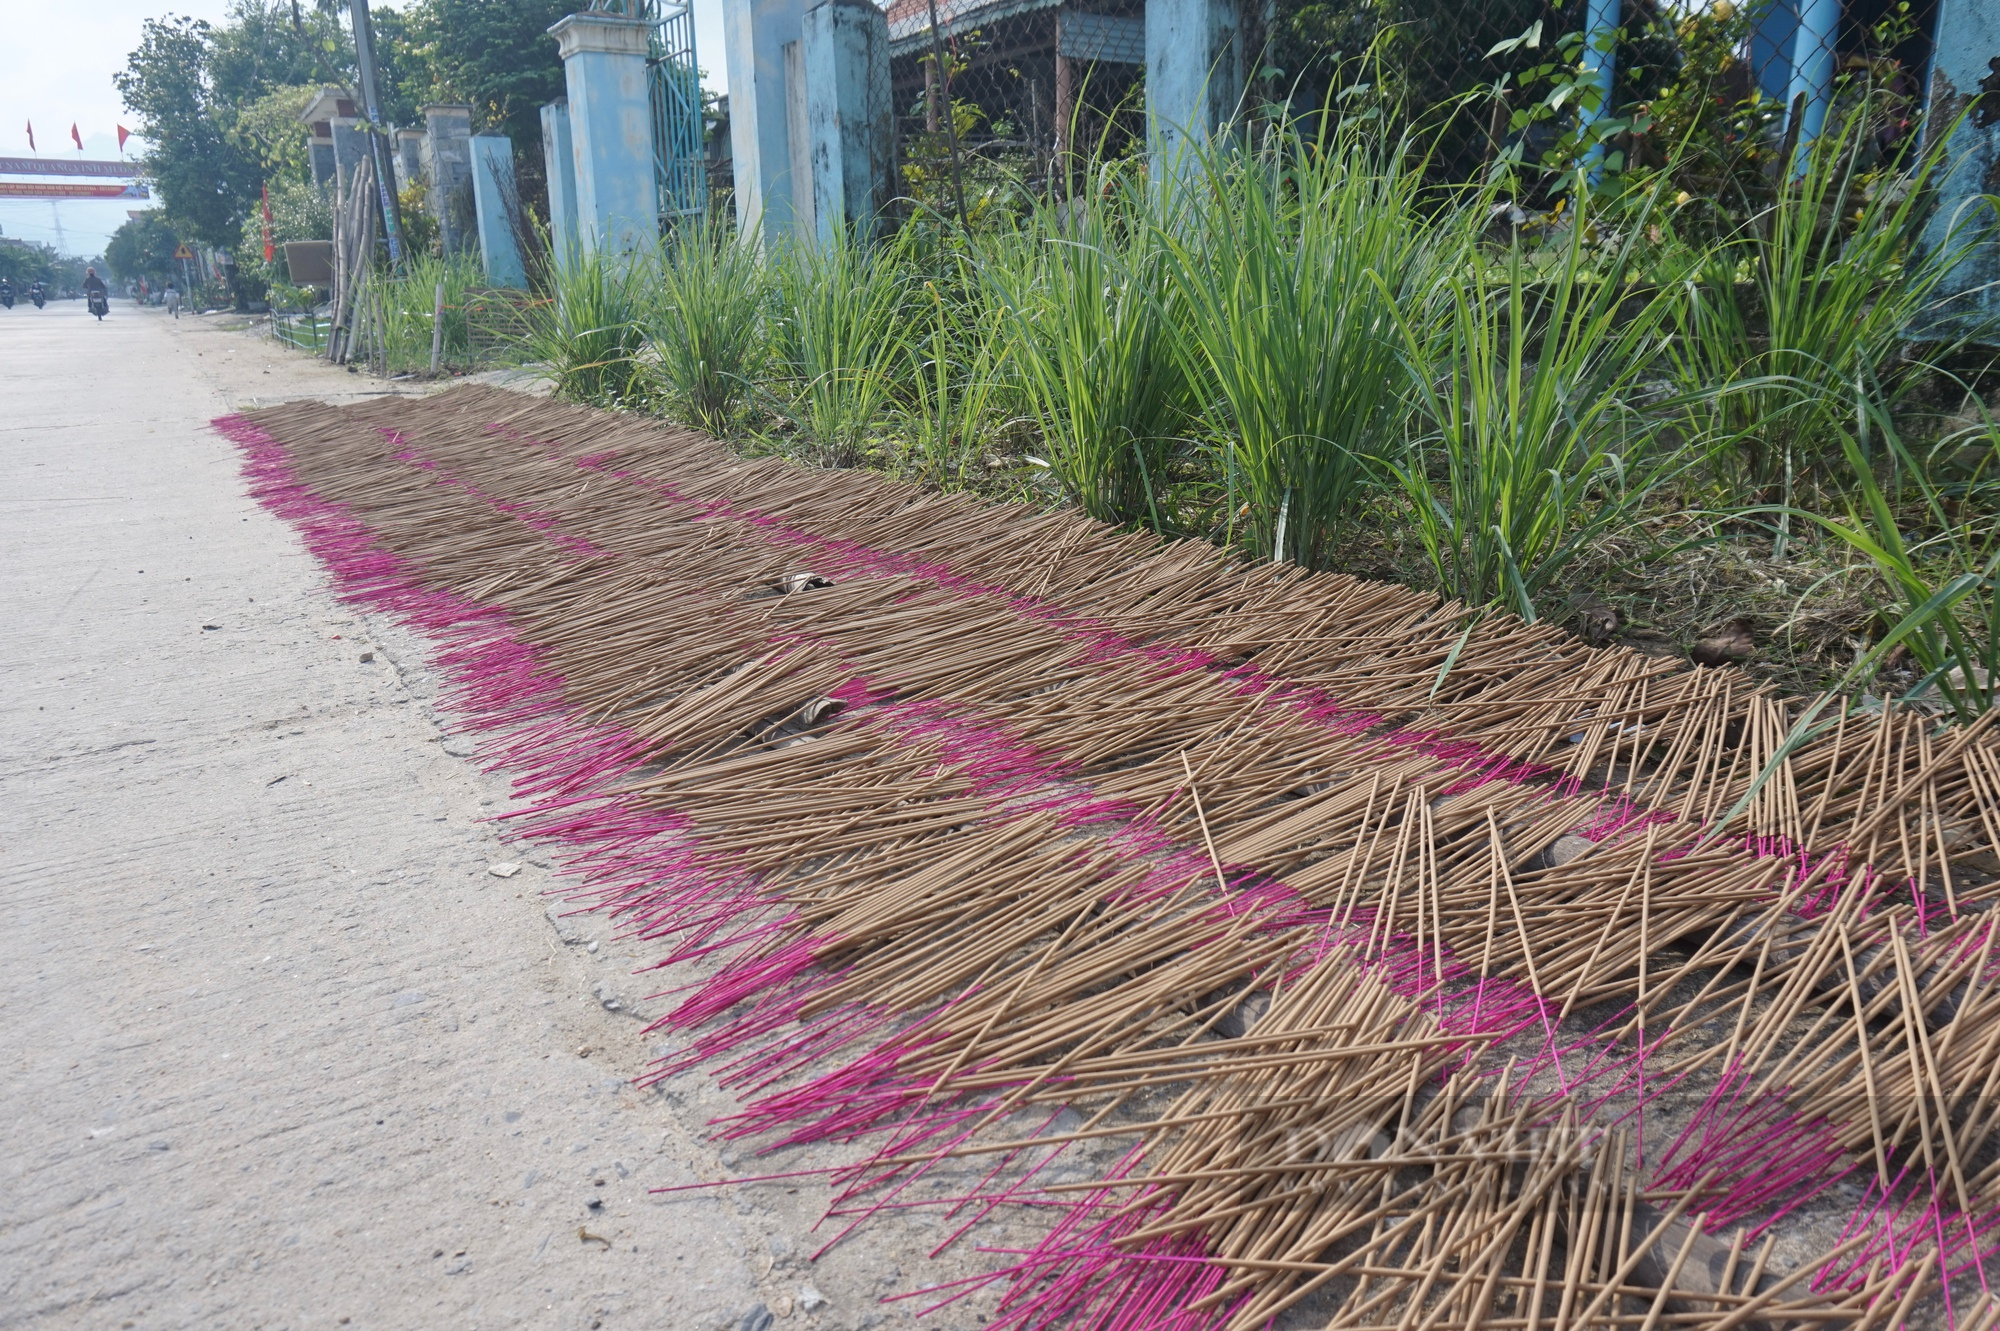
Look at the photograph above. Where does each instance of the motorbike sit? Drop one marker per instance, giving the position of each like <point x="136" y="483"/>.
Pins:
<point x="99" y="306"/>
<point x="37" y="295"/>
<point x="6" y="296"/>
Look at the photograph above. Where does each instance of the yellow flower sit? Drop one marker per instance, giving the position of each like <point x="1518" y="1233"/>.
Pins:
<point x="1682" y="199"/>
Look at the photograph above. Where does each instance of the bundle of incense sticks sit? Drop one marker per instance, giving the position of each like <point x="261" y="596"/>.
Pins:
<point x="1389" y="965"/>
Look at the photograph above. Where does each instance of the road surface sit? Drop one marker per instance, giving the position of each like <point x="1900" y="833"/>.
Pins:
<point x="276" y="1049"/>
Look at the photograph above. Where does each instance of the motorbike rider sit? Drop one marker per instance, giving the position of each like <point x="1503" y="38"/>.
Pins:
<point x="38" y="293"/>
<point x="95" y="294"/>
<point x="6" y="293"/>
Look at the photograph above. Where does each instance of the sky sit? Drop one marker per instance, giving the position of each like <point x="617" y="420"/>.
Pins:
<point x="56" y="68"/>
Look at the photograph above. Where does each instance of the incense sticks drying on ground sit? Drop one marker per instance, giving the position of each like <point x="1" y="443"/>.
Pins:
<point x="1381" y="970"/>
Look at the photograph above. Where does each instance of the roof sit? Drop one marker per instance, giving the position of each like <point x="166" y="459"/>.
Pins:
<point x="910" y="20"/>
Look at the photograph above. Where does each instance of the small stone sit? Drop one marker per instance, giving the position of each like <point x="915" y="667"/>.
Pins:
<point x="458" y="746"/>
<point x="366" y="657"/>
<point x="810" y="1299"/>
<point x="507" y="870"/>
<point x="757" y="1319"/>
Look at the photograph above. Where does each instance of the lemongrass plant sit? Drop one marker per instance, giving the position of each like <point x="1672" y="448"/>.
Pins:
<point x="1825" y="285"/>
<point x="1288" y="266"/>
<point x="838" y="324"/>
<point x="1092" y="324"/>
<point x="706" y="323"/>
<point x="1533" y="442"/>
<point x="589" y="334"/>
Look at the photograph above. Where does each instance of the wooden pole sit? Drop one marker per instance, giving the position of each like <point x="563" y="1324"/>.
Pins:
<point x="437" y="328"/>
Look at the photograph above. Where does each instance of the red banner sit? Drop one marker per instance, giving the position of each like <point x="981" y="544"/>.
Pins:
<point x="22" y="189"/>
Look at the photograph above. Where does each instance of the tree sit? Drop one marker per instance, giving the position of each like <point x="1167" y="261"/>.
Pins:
<point x="208" y="98"/>
<point x="22" y="263"/>
<point x="143" y="247"/>
<point x="495" y="56"/>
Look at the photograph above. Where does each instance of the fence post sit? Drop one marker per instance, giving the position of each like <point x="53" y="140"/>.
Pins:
<point x="850" y="117"/>
<point x="495" y="201"/>
<point x="1968" y="35"/>
<point x="1812" y="71"/>
<point x="1194" y="81"/>
<point x="559" y="164"/>
<point x="1600" y="66"/>
<point x="437" y="329"/>
<point x="771" y="199"/>
<point x="611" y="131"/>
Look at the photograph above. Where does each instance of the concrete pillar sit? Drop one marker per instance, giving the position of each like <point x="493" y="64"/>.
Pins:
<point x="409" y="157"/>
<point x="798" y="140"/>
<point x="1813" y="67"/>
<point x="1194" y="79"/>
<point x="350" y="149"/>
<point x="611" y="131"/>
<point x="1962" y="224"/>
<point x="1771" y="47"/>
<point x="448" y="163"/>
<point x="770" y="196"/>
<point x="851" y="117"/>
<point x="329" y="105"/>
<point x="559" y="164"/>
<point x="495" y="202"/>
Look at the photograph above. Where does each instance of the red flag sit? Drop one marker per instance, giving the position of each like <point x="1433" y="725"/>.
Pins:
<point x="123" y="134"/>
<point x="31" y="138"/>
<point x="76" y="137"/>
<point x="270" y="251"/>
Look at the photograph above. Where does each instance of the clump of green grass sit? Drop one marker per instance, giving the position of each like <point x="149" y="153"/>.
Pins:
<point x="590" y="332"/>
<point x="838" y="323"/>
<point x="1091" y="314"/>
<point x="1287" y="271"/>
<point x="1534" y="445"/>
<point x="706" y="323"/>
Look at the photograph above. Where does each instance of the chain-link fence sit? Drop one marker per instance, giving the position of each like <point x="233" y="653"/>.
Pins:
<point x="1012" y="95"/>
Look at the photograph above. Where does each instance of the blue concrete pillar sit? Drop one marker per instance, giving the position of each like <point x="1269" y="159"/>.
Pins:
<point x="495" y="201"/>
<point x="1813" y="67"/>
<point x="1600" y="67"/>
<point x="1777" y="24"/>
<point x="773" y="197"/>
<point x="1961" y="228"/>
<point x="611" y="131"/>
<point x="1194" y="80"/>
<point x="851" y="117"/>
<point x="559" y="166"/>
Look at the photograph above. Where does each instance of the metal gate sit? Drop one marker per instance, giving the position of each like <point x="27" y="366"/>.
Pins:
<point x="673" y="83"/>
<point x="680" y="156"/>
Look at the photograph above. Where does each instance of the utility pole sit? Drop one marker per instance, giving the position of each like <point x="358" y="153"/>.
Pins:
<point x="385" y="176"/>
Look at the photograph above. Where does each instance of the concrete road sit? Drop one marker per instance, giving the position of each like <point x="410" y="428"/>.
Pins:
<point x="276" y="1049"/>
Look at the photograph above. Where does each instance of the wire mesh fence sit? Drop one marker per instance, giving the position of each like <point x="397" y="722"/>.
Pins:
<point x="1000" y="96"/>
